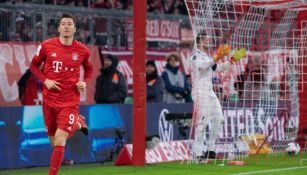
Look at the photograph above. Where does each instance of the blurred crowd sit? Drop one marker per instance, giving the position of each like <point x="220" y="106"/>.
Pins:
<point x="106" y="31"/>
<point x="153" y="6"/>
<point x="169" y="85"/>
<point x="172" y="85"/>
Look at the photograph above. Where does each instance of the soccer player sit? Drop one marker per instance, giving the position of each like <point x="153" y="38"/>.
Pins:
<point x="207" y="107"/>
<point x="61" y="58"/>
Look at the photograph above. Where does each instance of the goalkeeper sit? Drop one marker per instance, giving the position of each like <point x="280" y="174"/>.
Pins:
<point x="207" y="107"/>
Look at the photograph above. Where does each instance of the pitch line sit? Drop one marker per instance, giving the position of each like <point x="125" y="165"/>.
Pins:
<point x="273" y="170"/>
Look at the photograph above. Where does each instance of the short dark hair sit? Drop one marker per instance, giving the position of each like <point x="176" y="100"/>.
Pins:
<point x="67" y="15"/>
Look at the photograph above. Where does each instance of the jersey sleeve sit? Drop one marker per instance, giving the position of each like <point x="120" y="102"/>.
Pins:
<point x="201" y="63"/>
<point x="37" y="60"/>
<point x="88" y="67"/>
<point x="223" y="66"/>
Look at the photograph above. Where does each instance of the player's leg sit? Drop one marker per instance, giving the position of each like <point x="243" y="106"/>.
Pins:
<point x="70" y="121"/>
<point x="60" y="137"/>
<point x="50" y="122"/>
<point x="51" y="139"/>
<point x="203" y="110"/>
<point x="200" y="134"/>
<point x="57" y="138"/>
<point x="58" y="151"/>
<point x="197" y="148"/>
<point x="83" y="127"/>
<point x="217" y="120"/>
<point x="66" y="119"/>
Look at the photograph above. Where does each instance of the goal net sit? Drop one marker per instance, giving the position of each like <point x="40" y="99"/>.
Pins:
<point x="259" y="94"/>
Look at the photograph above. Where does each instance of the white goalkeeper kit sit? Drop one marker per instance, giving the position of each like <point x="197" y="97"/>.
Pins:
<point x="207" y="107"/>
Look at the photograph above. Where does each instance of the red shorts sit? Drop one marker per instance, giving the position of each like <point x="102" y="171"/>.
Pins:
<point x="62" y="118"/>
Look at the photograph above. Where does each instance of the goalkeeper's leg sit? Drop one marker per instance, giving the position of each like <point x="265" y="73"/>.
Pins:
<point x="203" y="110"/>
<point x="217" y="121"/>
<point x="214" y="132"/>
<point x="200" y="133"/>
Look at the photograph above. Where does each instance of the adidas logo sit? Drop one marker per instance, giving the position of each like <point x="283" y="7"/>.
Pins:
<point x="53" y="54"/>
<point x="69" y="128"/>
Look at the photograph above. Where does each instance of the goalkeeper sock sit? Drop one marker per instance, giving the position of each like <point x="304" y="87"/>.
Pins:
<point x="214" y="133"/>
<point x="198" y="144"/>
<point x="56" y="159"/>
<point x="200" y="133"/>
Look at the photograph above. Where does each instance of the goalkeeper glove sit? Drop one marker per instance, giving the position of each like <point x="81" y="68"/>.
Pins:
<point x="222" y="51"/>
<point x="238" y="55"/>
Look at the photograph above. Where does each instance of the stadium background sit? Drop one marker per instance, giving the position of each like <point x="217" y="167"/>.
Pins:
<point x="105" y="31"/>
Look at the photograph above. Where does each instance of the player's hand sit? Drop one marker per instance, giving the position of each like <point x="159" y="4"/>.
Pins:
<point x="81" y="85"/>
<point x="222" y="51"/>
<point x="50" y="84"/>
<point x="238" y="55"/>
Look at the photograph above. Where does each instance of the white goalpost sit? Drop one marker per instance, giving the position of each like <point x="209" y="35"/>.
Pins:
<point x="260" y="93"/>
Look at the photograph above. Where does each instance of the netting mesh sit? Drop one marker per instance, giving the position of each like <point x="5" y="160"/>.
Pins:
<point x="259" y="94"/>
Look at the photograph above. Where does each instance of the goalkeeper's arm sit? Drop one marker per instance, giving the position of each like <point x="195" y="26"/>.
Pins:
<point x="238" y="55"/>
<point x="222" y="67"/>
<point x="222" y="51"/>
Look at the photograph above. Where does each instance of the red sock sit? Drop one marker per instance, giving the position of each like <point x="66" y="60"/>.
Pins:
<point x="56" y="159"/>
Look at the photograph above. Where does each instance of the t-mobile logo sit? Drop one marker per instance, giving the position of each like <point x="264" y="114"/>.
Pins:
<point x="57" y="65"/>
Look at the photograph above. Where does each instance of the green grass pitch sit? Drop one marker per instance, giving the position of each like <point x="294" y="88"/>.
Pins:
<point x="256" y="164"/>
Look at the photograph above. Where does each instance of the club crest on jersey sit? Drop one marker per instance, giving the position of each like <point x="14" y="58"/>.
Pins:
<point x="75" y="56"/>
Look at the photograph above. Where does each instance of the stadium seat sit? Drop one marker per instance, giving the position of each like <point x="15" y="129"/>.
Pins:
<point x="35" y="140"/>
<point x="103" y="121"/>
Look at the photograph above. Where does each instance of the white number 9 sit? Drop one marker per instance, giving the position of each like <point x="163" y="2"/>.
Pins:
<point x="71" y="119"/>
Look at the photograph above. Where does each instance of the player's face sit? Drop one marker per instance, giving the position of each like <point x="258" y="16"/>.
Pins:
<point x="67" y="28"/>
<point x="206" y="42"/>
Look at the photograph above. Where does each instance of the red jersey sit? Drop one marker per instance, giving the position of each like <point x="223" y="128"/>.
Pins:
<point x="61" y="63"/>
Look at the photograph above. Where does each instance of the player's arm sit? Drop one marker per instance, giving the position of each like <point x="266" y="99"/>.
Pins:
<point x="37" y="60"/>
<point x="238" y="55"/>
<point x="203" y="64"/>
<point x="221" y="67"/>
<point x="222" y="51"/>
<point x="88" y="72"/>
<point x="88" y="67"/>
